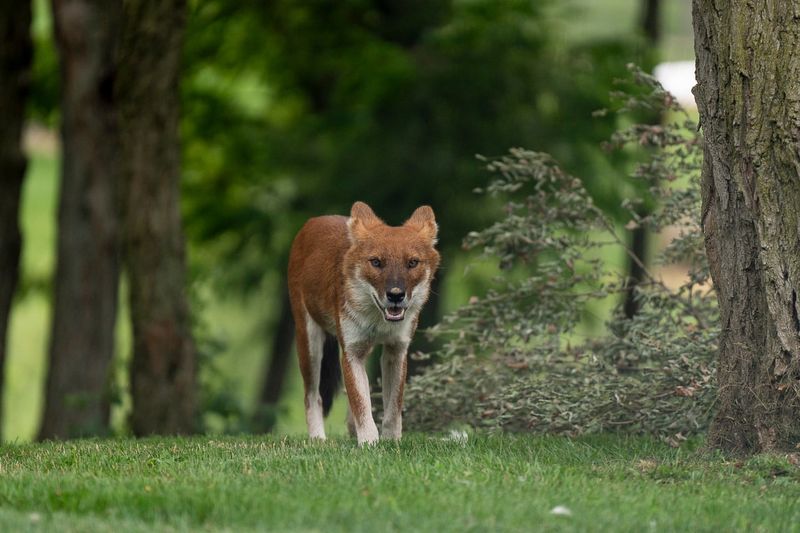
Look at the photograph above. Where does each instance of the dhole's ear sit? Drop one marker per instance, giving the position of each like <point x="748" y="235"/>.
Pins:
<point x="362" y="219"/>
<point x="424" y="220"/>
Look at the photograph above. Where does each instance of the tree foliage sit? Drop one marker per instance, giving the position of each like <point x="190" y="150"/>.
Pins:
<point x="349" y="100"/>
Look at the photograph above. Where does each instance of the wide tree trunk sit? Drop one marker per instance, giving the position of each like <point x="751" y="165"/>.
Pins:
<point x="163" y="367"/>
<point x="15" y="64"/>
<point x="748" y="93"/>
<point x="87" y="270"/>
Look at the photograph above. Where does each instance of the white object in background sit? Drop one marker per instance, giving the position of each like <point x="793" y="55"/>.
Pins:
<point x="677" y="77"/>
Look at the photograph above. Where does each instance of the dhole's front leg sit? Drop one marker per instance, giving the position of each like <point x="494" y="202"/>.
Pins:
<point x="356" y="383"/>
<point x="393" y="378"/>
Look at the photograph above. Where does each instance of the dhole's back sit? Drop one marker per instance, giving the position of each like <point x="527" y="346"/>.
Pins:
<point x="315" y="264"/>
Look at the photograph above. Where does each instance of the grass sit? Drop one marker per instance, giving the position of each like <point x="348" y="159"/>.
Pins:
<point x="503" y="483"/>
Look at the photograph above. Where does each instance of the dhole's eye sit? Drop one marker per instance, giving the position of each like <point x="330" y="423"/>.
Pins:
<point x="375" y="262"/>
<point x="412" y="263"/>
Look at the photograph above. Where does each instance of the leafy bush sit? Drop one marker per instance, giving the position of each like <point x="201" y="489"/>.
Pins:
<point x="514" y="359"/>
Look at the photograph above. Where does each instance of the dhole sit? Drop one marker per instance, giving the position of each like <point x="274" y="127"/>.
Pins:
<point x="362" y="282"/>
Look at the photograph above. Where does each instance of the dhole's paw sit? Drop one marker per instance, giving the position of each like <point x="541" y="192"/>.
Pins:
<point x="368" y="438"/>
<point x="391" y="436"/>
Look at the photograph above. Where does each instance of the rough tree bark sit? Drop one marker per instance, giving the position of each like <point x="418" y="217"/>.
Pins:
<point x="87" y="270"/>
<point x="16" y="52"/>
<point x="748" y="93"/>
<point x="163" y="367"/>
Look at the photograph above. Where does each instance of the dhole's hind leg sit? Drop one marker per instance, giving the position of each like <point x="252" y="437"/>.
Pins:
<point x="310" y="338"/>
<point x="350" y="422"/>
<point x="393" y="379"/>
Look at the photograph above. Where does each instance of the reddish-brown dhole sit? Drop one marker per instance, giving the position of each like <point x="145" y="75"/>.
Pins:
<point x="359" y="282"/>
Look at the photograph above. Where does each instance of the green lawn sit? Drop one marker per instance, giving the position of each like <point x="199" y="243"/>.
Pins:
<point x="425" y="483"/>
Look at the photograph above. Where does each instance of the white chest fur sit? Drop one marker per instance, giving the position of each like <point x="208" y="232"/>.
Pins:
<point x="369" y="326"/>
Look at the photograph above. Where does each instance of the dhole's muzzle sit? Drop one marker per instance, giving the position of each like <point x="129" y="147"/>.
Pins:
<point x="395" y="305"/>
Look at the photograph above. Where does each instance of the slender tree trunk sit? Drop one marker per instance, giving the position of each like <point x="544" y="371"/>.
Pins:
<point x="163" y="368"/>
<point x="638" y="240"/>
<point x="280" y="356"/>
<point x="87" y="271"/>
<point x="650" y="25"/>
<point x="748" y="94"/>
<point x="651" y="20"/>
<point x="15" y="64"/>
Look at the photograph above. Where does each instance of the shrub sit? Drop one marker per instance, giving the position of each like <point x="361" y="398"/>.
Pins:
<point x="514" y="360"/>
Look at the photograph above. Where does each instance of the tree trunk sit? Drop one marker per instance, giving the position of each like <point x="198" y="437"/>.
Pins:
<point x="87" y="271"/>
<point x="272" y="389"/>
<point x="163" y="367"/>
<point x="639" y="238"/>
<point x="650" y="25"/>
<point x="651" y="20"/>
<point x="15" y="64"/>
<point x="748" y="94"/>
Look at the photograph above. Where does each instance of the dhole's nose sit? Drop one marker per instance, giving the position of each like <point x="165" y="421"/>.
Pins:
<point x="395" y="295"/>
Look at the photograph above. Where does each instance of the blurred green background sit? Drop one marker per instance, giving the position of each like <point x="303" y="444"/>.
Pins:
<point x="299" y="109"/>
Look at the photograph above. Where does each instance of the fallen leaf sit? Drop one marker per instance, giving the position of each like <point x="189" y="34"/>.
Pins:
<point x="646" y="465"/>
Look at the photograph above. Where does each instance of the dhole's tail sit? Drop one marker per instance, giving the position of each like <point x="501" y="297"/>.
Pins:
<point x="330" y="376"/>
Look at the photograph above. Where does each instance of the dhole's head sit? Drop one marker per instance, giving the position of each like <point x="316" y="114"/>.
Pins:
<point x="389" y="268"/>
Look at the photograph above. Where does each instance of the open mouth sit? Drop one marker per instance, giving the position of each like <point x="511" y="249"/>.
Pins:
<point x="393" y="313"/>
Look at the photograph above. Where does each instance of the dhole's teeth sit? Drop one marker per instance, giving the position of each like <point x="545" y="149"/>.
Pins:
<point x="394" y="313"/>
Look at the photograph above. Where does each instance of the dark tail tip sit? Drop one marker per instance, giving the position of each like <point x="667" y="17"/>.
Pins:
<point x="330" y="377"/>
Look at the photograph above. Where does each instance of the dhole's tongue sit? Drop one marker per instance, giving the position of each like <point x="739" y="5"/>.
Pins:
<point x="395" y="313"/>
